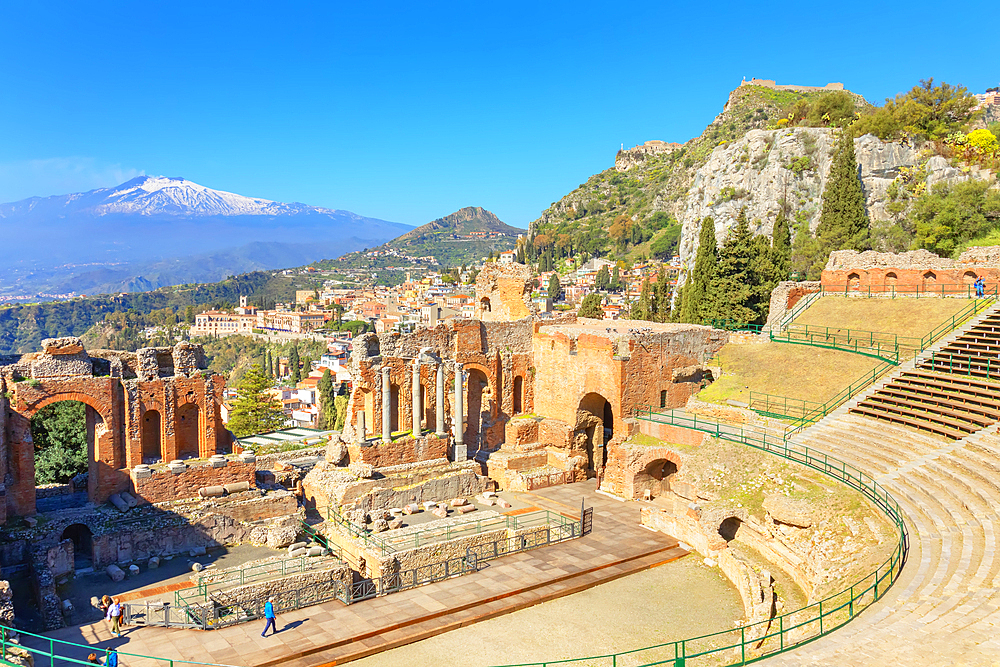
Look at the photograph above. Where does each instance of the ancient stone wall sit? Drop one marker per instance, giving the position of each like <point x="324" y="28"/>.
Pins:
<point x="164" y="483"/>
<point x="503" y="292"/>
<point x="168" y="410"/>
<point x="785" y="296"/>
<point x="287" y="591"/>
<point x="917" y="271"/>
<point x="399" y="451"/>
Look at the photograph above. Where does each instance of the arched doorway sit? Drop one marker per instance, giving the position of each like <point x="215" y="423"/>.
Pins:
<point x="484" y="305"/>
<point x="729" y="528"/>
<point x="394" y="407"/>
<point x="83" y="544"/>
<point x="477" y="402"/>
<point x="969" y="277"/>
<point x="187" y="431"/>
<point x="929" y="281"/>
<point x="518" y="395"/>
<point x="890" y="281"/>
<point x="152" y="430"/>
<point x="595" y="419"/>
<point x="63" y="434"/>
<point x="654" y="478"/>
<point x="853" y="281"/>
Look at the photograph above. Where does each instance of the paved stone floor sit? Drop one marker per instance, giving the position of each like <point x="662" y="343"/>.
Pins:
<point x="334" y="633"/>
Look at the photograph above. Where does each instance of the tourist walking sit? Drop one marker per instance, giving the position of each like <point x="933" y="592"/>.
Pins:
<point x="271" y="618"/>
<point x="115" y="616"/>
<point x="112" y="659"/>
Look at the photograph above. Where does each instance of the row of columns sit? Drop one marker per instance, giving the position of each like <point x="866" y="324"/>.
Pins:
<point x="458" y="407"/>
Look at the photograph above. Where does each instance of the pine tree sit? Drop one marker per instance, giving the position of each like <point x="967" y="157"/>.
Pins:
<point x="295" y="375"/>
<point x="327" y="402"/>
<point x="662" y="307"/>
<point x="255" y="411"/>
<point x="843" y="223"/>
<point x="705" y="266"/>
<point x="591" y="307"/>
<point x="730" y="294"/>
<point x="781" y="247"/>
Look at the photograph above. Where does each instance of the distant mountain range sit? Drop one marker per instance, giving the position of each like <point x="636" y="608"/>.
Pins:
<point x="155" y="231"/>
<point x="465" y="236"/>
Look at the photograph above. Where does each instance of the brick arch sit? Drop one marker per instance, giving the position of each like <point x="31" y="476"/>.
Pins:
<point x="640" y="464"/>
<point x="100" y="407"/>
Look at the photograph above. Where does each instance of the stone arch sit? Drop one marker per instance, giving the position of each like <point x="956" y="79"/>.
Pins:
<point x="186" y="430"/>
<point x="890" y="279"/>
<point x="518" y="394"/>
<point x="477" y="394"/>
<point x="969" y="277"/>
<point x="929" y="280"/>
<point x="592" y="415"/>
<point x="83" y="543"/>
<point x="651" y="471"/>
<point x="484" y="305"/>
<point x="853" y="281"/>
<point x="152" y="436"/>
<point x="730" y="527"/>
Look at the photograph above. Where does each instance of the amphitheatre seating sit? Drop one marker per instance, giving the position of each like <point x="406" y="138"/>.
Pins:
<point x="953" y="392"/>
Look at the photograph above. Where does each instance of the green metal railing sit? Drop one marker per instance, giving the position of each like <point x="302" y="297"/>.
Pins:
<point x="781" y="407"/>
<point x="246" y="575"/>
<point x="961" y="290"/>
<point x="755" y="641"/>
<point x="879" y="345"/>
<point x="732" y="325"/>
<point x="945" y="362"/>
<point x="43" y="651"/>
<point x="431" y="535"/>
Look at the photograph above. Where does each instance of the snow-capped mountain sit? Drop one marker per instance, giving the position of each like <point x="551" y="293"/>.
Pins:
<point x="160" y="195"/>
<point x="151" y="219"/>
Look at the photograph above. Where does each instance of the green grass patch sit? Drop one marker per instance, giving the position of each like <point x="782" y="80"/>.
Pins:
<point x="903" y="316"/>
<point x="783" y="369"/>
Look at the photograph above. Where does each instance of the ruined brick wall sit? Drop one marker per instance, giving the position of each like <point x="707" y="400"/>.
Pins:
<point x="499" y="351"/>
<point x="909" y="272"/>
<point x="168" y="380"/>
<point x="160" y="484"/>
<point x="503" y="292"/>
<point x="402" y="450"/>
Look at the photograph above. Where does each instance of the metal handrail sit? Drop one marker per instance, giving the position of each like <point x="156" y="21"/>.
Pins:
<point x="772" y="636"/>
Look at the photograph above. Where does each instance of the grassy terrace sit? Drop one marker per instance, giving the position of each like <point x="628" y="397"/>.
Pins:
<point x="903" y="316"/>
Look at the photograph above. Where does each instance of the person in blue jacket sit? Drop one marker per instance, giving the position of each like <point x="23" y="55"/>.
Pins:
<point x="271" y="618"/>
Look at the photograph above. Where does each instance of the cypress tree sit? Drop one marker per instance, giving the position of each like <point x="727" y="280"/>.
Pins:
<point x="843" y="223"/>
<point x="730" y="294"/>
<point x="327" y="403"/>
<point x="616" y="282"/>
<point x="781" y="247"/>
<point x="293" y="363"/>
<point x="705" y="266"/>
<point x="662" y="295"/>
<point x="641" y="309"/>
<point x="554" y="287"/>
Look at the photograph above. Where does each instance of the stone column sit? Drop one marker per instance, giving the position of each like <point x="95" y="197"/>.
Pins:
<point x="458" y="416"/>
<point x="440" y="402"/>
<point x="362" y="434"/>
<point x="386" y="405"/>
<point x="416" y="398"/>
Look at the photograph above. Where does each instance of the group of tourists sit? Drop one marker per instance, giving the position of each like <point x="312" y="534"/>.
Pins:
<point x="980" y="286"/>
<point x="113" y="613"/>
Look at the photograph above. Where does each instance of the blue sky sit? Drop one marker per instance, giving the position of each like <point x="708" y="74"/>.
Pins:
<point x="409" y="111"/>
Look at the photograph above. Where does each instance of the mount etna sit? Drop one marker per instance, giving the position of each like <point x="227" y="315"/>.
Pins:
<point x="155" y="231"/>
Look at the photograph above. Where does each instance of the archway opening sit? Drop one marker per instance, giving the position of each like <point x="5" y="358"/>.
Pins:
<point x="429" y="409"/>
<point x="969" y="277"/>
<point x="654" y="478"/>
<point x="890" y="280"/>
<point x="63" y="434"/>
<point x="595" y="419"/>
<point x="518" y="395"/>
<point x="188" y="416"/>
<point x="83" y="544"/>
<point x="729" y="528"/>
<point x="853" y="281"/>
<point x="477" y="403"/>
<point x="484" y="304"/>
<point x="368" y="401"/>
<point x="394" y="407"/>
<point x="929" y="280"/>
<point x="152" y="430"/>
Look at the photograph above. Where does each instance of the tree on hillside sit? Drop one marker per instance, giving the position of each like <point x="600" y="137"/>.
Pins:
<point x="951" y="214"/>
<point x="340" y="403"/>
<point x="591" y="307"/>
<point x="730" y="294"/>
<point x="662" y="303"/>
<point x="327" y="402"/>
<point x="554" y="287"/>
<point x="616" y="282"/>
<point x="189" y="314"/>
<point x="781" y="247"/>
<point x="295" y="375"/>
<point x="255" y="411"/>
<point x="705" y="265"/>
<point x="642" y="308"/>
<point x="927" y="111"/>
<point x="603" y="278"/>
